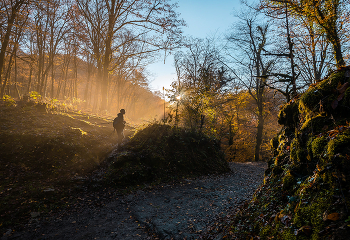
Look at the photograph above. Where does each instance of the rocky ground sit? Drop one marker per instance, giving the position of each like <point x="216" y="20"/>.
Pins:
<point x="174" y="211"/>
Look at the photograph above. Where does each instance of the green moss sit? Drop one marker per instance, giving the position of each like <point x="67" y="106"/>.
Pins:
<point x="324" y="91"/>
<point x="316" y="124"/>
<point x="312" y="213"/>
<point x="288" y="181"/>
<point x="339" y="144"/>
<point x="331" y="82"/>
<point x="289" y="115"/>
<point x="289" y="234"/>
<point x="298" y="153"/>
<point x="294" y="146"/>
<point x="267" y="232"/>
<point x="310" y="100"/>
<point x="318" y="145"/>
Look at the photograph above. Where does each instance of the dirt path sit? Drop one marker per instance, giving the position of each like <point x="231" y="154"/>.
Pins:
<point x="180" y="211"/>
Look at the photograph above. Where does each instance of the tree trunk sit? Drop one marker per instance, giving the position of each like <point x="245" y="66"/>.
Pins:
<point x="8" y="72"/>
<point x="6" y="38"/>
<point x="259" y="134"/>
<point x="338" y="55"/>
<point x="30" y="78"/>
<point x="52" y="82"/>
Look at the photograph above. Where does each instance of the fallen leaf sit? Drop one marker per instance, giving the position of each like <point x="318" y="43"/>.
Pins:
<point x="334" y="104"/>
<point x="343" y="87"/>
<point x="333" y="216"/>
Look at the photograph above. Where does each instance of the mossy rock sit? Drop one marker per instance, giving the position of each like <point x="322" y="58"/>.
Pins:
<point x="288" y="181"/>
<point x="317" y="124"/>
<point x="324" y="92"/>
<point x="289" y="115"/>
<point x="318" y="145"/>
<point x="283" y="140"/>
<point x="298" y="153"/>
<point x="316" y="170"/>
<point x="310" y="100"/>
<point x="339" y="145"/>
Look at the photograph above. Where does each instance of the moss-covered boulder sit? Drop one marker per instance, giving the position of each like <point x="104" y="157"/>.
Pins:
<point x="289" y="114"/>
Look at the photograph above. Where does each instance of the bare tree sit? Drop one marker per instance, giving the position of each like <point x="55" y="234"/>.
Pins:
<point x="251" y="67"/>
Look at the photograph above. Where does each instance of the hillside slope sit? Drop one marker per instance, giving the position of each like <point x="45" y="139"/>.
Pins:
<point x="44" y="156"/>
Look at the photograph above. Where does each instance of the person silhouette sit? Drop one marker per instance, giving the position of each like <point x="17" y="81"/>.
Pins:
<point x="119" y="124"/>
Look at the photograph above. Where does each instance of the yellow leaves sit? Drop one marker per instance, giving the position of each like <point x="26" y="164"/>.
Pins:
<point x="81" y="131"/>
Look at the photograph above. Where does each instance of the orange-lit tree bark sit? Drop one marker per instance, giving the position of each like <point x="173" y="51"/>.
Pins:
<point x="154" y="23"/>
<point x="50" y="26"/>
<point x="11" y="61"/>
<point x="9" y="11"/>
<point x="326" y="14"/>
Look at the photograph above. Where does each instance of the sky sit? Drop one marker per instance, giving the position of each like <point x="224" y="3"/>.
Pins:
<point x="204" y="18"/>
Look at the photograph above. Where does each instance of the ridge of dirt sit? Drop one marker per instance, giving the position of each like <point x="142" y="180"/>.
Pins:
<point x="178" y="211"/>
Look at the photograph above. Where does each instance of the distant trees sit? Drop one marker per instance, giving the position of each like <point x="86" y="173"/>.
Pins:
<point x="201" y="81"/>
<point x="111" y="26"/>
<point x="91" y="50"/>
<point x="13" y="15"/>
<point x="251" y="67"/>
<point x="229" y="100"/>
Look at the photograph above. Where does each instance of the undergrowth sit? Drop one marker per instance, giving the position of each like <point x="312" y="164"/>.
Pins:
<point x="161" y="153"/>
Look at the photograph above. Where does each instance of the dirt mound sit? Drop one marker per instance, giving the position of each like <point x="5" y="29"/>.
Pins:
<point x="161" y="153"/>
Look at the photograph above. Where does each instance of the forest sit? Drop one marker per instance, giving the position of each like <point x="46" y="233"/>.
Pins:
<point x="272" y="89"/>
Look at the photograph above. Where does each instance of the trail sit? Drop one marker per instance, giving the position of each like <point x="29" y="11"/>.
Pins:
<point x="179" y="211"/>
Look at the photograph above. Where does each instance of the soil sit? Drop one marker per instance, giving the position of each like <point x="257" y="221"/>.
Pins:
<point x="173" y="211"/>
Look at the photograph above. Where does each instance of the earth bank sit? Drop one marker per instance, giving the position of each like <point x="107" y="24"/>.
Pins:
<point x="306" y="190"/>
